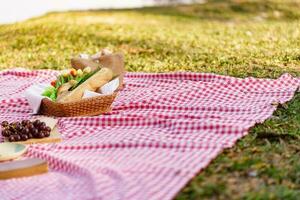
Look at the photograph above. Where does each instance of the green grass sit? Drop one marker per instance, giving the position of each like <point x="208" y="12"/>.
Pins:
<point x="238" y="38"/>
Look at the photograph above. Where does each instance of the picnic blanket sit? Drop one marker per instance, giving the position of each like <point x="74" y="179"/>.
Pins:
<point x="163" y="129"/>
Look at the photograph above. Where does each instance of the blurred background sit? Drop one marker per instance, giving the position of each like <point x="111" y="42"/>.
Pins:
<point x="16" y="10"/>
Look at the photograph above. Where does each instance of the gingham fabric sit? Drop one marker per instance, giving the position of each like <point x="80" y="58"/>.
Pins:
<point x="163" y="129"/>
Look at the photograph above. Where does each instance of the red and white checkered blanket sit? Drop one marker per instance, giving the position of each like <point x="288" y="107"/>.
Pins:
<point x="163" y="129"/>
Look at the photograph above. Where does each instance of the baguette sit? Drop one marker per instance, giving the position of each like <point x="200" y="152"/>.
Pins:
<point x="103" y="76"/>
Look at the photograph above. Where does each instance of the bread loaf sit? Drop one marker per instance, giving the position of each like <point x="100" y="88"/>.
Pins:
<point x="103" y="76"/>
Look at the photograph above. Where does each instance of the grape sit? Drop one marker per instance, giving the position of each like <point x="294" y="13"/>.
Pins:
<point x="30" y="127"/>
<point x="5" y="133"/>
<point x="42" y="127"/>
<point x="42" y="124"/>
<point x="34" y="132"/>
<point x="48" y="129"/>
<point x="37" y="122"/>
<point x="11" y="138"/>
<point x="25" y="131"/>
<point x="12" y="129"/>
<point x="4" y="124"/>
<point x="24" y="137"/>
<point x="41" y="135"/>
<point x="24" y="122"/>
<point x="18" y="133"/>
<point x="46" y="133"/>
<point x="30" y="136"/>
<point x="17" y="137"/>
<point x="19" y="127"/>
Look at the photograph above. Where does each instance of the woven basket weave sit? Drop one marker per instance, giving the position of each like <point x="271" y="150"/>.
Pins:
<point x="85" y="107"/>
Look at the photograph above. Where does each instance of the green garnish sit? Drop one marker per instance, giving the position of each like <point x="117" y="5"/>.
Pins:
<point x="83" y="78"/>
<point x="50" y="92"/>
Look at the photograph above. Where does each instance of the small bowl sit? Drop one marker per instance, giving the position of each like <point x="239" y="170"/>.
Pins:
<point x="11" y="151"/>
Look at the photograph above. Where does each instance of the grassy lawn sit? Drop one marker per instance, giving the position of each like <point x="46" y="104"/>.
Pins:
<point x="238" y="38"/>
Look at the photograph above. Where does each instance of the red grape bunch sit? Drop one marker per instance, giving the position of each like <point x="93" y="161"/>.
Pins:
<point x="24" y="130"/>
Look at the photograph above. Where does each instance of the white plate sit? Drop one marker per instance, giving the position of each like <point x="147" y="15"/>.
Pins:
<point x="10" y="151"/>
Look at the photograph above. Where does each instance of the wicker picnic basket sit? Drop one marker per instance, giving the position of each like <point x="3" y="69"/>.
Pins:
<point x="88" y="106"/>
<point x="84" y="107"/>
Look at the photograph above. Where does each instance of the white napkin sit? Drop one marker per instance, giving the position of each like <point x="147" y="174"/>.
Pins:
<point x="34" y="96"/>
<point x="110" y="87"/>
<point x="34" y="93"/>
<point x="106" y="89"/>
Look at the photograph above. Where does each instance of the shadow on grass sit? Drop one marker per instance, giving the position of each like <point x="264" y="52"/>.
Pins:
<point x="225" y="10"/>
<point x="231" y="10"/>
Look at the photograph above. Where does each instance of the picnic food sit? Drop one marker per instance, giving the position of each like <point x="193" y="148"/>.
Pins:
<point x="24" y="130"/>
<point x="70" y="85"/>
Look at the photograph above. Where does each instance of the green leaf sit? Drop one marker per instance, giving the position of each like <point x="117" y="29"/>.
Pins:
<point x="53" y="96"/>
<point x="50" y="92"/>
